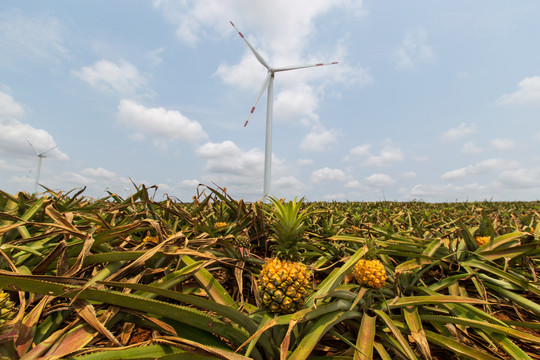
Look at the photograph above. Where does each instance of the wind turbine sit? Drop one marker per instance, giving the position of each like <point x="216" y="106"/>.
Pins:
<point x="40" y="158"/>
<point x="268" y="85"/>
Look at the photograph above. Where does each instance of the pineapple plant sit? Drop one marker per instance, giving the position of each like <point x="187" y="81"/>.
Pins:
<point x="6" y="310"/>
<point x="483" y="234"/>
<point x="284" y="281"/>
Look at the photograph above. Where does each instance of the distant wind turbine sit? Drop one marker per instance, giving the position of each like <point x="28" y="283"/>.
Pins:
<point x="269" y="84"/>
<point x="40" y="158"/>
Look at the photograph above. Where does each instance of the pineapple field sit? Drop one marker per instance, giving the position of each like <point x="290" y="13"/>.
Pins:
<point x="221" y="278"/>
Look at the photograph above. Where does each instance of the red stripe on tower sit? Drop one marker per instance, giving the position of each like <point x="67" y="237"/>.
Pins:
<point x="319" y="64"/>
<point x="253" y="109"/>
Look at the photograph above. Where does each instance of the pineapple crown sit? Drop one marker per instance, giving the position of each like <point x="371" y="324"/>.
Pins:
<point x="287" y="226"/>
<point x="485" y="228"/>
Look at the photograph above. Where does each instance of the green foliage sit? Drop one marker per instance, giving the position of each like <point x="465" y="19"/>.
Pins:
<point x="83" y="281"/>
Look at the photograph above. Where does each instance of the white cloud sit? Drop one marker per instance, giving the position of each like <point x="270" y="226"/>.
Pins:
<point x="503" y="144"/>
<point x="511" y="184"/>
<point x="289" y="183"/>
<point x="123" y="78"/>
<point x="21" y="183"/>
<point x="305" y="162"/>
<point x="97" y="180"/>
<point x="527" y="94"/>
<point x="189" y="184"/>
<point x="520" y="178"/>
<point x="14" y="138"/>
<point x="351" y="75"/>
<point x="31" y="37"/>
<point x="413" y="49"/>
<point x="449" y="192"/>
<point x="355" y="184"/>
<point x="5" y="166"/>
<point x="380" y="180"/>
<point x="335" y="197"/>
<point x="471" y="148"/>
<point x="9" y="108"/>
<point x="409" y="175"/>
<point x="296" y="19"/>
<point x="319" y="139"/>
<point x="359" y="151"/>
<point x="459" y="132"/>
<point x="389" y="155"/>
<point x="98" y="173"/>
<point x="240" y="171"/>
<point x="227" y="157"/>
<point x="248" y="74"/>
<point x="485" y="166"/>
<point x="159" y="123"/>
<point x="345" y="72"/>
<point x="154" y="56"/>
<point x="296" y="103"/>
<point x="15" y="135"/>
<point x="326" y="174"/>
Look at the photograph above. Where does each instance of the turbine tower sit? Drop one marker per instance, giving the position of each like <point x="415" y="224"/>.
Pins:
<point x="268" y="85"/>
<point x="40" y="158"/>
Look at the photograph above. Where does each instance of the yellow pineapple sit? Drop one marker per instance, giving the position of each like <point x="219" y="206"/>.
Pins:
<point x="370" y="273"/>
<point x="220" y="225"/>
<point x="482" y="240"/>
<point x="284" y="282"/>
<point x="152" y="239"/>
<point x="284" y="285"/>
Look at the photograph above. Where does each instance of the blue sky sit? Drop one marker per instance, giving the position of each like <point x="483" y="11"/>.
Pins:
<point x="433" y="101"/>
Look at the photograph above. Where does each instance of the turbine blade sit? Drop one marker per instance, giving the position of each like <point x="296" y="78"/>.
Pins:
<point x="263" y="88"/>
<point x="43" y="153"/>
<point x="257" y="55"/>
<point x="287" y="68"/>
<point x="33" y="148"/>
